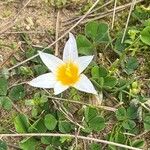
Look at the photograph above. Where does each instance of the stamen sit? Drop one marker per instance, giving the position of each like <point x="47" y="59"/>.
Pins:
<point x="67" y="73"/>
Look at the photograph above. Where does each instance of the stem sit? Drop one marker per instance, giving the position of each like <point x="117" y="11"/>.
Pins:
<point x="82" y="103"/>
<point x="69" y="135"/>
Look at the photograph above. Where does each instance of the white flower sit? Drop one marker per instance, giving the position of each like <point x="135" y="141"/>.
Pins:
<point x="67" y="72"/>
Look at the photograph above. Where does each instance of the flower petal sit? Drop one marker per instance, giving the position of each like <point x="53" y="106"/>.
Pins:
<point x="70" y="49"/>
<point x="50" y="61"/>
<point x="85" y="85"/>
<point x="59" y="88"/>
<point x="43" y="81"/>
<point x="83" y="62"/>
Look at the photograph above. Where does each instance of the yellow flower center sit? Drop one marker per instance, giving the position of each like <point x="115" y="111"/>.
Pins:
<point x="68" y="73"/>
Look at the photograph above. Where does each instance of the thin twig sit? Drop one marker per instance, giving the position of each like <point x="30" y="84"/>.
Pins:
<point x="144" y="106"/>
<point x="98" y="8"/>
<point x="77" y="132"/>
<point x="119" y="104"/>
<point x="57" y="32"/>
<point x="129" y="134"/>
<point x="17" y="109"/>
<point x="114" y="12"/>
<point x="131" y="9"/>
<point x="15" y="84"/>
<point x="140" y="135"/>
<point x="71" y="20"/>
<point x="7" y="59"/>
<point x="82" y="103"/>
<point x="58" y="38"/>
<point x="103" y="14"/>
<point x="71" y="136"/>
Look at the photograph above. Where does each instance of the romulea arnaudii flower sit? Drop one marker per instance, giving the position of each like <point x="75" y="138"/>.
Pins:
<point x="67" y="72"/>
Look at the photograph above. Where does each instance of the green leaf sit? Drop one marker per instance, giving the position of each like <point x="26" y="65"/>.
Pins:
<point x="121" y="113"/>
<point x="97" y="123"/>
<point x="56" y="141"/>
<point x="21" y="123"/>
<point x="147" y="123"/>
<point x="17" y="93"/>
<point x="145" y="35"/>
<point x="147" y="22"/>
<point x="46" y="140"/>
<point x="3" y="86"/>
<point x="131" y="65"/>
<point x="85" y="47"/>
<point x="86" y="128"/>
<point x="119" y="46"/>
<point x="91" y="29"/>
<point x="28" y="144"/>
<point x="64" y="126"/>
<point x="110" y="81"/>
<point x="5" y="102"/>
<point x="141" y="13"/>
<point x="95" y="72"/>
<point x="138" y="143"/>
<point x="49" y="148"/>
<point x="37" y="100"/>
<point x="90" y="113"/>
<point x="29" y="102"/>
<point x="98" y="72"/>
<point x="95" y="146"/>
<point x="98" y="32"/>
<point x="65" y="139"/>
<point x="98" y="82"/>
<point x="3" y="145"/>
<point x="103" y="33"/>
<point x="120" y="138"/>
<point x="5" y="73"/>
<point x="40" y="69"/>
<point x="132" y="34"/>
<point x="129" y="124"/>
<point x="132" y="112"/>
<point x="38" y="126"/>
<point x="50" y="122"/>
<point x="34" y="112"/>
<point x="26" y="71"/>
<point x="60" y="115"/>
<point x="31" y="52"/>
<point x="101" y="82"/>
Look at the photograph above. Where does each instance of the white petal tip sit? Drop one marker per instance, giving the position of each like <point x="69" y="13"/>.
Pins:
<point x="40" y="52"/>
<point x="59" y="88"/>
<point x="70" y="34"/>
<point x="95" y="93"/>
<point x="30" y="83"/>
<point x="56" y="93"/>
<point x="92" y="56"/>
<point x="43" y="81"/>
